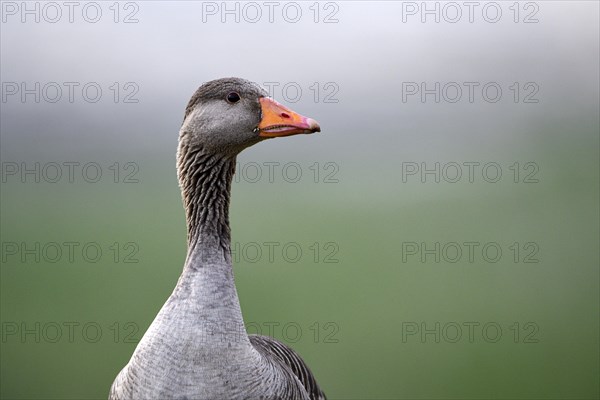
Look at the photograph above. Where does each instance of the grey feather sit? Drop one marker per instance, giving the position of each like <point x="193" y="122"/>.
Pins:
<point x="197" y="346"/>
<point x="288" y="358"/>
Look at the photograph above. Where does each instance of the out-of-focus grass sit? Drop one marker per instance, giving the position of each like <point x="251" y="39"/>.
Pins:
<point x="359" y="304"/>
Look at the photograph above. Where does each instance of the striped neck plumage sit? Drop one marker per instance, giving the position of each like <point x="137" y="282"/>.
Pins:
<point x="205" y="181"/>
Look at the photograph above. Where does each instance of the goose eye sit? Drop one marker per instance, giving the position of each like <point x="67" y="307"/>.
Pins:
<point x="233" y="97"/>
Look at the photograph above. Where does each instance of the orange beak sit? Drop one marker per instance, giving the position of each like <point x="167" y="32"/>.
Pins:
<point x="278" y="120"/>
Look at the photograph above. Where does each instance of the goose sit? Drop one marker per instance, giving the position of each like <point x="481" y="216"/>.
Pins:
<point x="197" y="346"/>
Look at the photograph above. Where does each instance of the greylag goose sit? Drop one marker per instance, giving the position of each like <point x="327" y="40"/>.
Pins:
<point x="197" y="347"/>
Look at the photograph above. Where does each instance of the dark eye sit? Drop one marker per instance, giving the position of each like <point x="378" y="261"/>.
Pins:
<point x="233" y="97"/>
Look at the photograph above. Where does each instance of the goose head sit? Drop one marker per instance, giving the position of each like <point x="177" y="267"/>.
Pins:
<point x="227" y="115"/>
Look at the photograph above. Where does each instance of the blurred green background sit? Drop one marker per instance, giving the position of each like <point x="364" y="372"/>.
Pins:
<point x="359" y="321"/>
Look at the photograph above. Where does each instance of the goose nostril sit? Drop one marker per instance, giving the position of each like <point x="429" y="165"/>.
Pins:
<point x="285" y="115"/>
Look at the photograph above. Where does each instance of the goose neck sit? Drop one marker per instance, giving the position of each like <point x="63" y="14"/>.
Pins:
<point x="205" y="181"/>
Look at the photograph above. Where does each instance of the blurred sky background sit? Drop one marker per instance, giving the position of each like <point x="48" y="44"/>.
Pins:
<point x="357" y="315"/>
